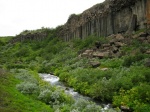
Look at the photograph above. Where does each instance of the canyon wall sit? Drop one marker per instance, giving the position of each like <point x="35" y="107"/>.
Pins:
<point x="148" y="12"/>
<point x="27" y="35"/>
<point x="102" y="20"/>
<point x="109" y="17"/>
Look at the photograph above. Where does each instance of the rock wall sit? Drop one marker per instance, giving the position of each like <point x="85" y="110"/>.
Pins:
<point x="148" y="12"/>
<point x="109" y="17"/>
<point x="36" y="35"/>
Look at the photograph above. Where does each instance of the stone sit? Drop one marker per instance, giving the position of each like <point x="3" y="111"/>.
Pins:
<point x="112" y="41"/>
<point x="147" y="63"/>
<point x="119" y="44"/>
<point x="125" y="109"/>
<point x="119" y="37"/>
<point x="105" y="49"/>
<point x="88" y="51"/>
<point x="104" y="69"/>
<point x="98" y="44"/>
<point x="95" y="64"/>
<point x="85" y="54"/>
<point x="106" y="54"/>
<point x="141" y="34"/>
<point x="147" y="52"/>
<point x="112" y="36"/>
<point x="118" y="54"/>
<point x="115" y="49"/>
<point x="98" y="54"/>
<point x="105" y="45"/>
<point x="101" y="54"/>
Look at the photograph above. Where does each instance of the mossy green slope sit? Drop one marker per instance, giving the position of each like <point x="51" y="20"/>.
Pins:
<point x="11" y="100"/>
<point x="126" y="81"/>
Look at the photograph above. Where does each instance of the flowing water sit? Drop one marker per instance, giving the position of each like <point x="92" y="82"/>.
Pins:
<point x="54" y="80"/>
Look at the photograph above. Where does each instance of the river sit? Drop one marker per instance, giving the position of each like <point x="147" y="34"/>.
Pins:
<point x="54" y="80"/>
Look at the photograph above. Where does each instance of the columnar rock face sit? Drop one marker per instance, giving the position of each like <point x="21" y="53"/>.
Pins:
<point x="148" y="12"/>
<point x="30" y="35"/>
<point x="109" y="17"/>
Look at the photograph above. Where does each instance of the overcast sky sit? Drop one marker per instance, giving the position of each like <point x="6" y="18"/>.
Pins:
<point x="19" y="15"/>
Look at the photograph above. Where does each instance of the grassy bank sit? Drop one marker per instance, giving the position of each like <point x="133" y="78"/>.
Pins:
<point x="11" y="100"/>
<point x="125" y="82"/>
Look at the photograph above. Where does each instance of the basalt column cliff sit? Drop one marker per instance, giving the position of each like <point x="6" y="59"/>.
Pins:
<point x="109" y="17"/>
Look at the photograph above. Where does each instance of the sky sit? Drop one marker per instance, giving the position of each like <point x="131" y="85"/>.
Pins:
<point x="19" y="15"/>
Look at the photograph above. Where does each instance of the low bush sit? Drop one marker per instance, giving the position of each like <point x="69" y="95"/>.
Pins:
<point x="82" y="105"/>
<point x="45" y="96"/>
<point x="27" y="88"/>
<point x="128" y="61"/>
<point x="137" y="98"/>
<point x="112" y="63"/>
<point x="87" y="42"/>
<point x="11" y="100"/>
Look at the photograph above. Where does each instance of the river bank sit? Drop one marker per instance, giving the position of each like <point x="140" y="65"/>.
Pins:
<point x="54" y="80"/>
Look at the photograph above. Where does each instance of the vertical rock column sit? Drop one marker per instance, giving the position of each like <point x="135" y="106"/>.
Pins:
<point x="148" y="12"/>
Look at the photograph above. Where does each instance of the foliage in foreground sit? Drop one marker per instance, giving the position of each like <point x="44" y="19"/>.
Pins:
<point x="125" y="82"/>
<point x="51" y="95"/>
<point x="11" y="100"/>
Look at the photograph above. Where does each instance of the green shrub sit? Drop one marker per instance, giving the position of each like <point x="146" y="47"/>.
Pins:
<point x="137" y="98"/>
<point x="128" y="61"/>
<point x="27" y="88"/>
<point x="112" y="63"/>
<point x="54" y="97"/>
<point x="23" y="52"/>
<point x="87" y="42"/>
<point x="103" y="90"/>
<point x="45" y="96"/>
<point x="1" y="43"/>
<point x="25" y="75"/>
<point x="82" y="105"/>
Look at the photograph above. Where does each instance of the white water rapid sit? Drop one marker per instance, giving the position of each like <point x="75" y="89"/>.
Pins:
<point x="54" y="80"/>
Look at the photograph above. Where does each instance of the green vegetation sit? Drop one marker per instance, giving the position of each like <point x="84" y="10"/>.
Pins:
<point x="4" y="40"/>
<point x="11" y="100"/>
<point x="124" y="83"/>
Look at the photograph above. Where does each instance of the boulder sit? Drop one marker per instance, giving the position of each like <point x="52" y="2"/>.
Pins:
<point x="119" y="37"/>
<point x="87" y="53"/>
<point x="118" y="54"/>
<point x="95" y="64"/>
<point x="101" y="54"/>
<point x="98" y="54"/>
<point x="105" y="49"/>
<point x="115" y="49"/>
<point x="125" y="109"/>
<point x="105" y="45"/>
<point x="147" y="63"/>
<point x="119" y="44"/>
<point x="104" y="69"/>
<point x="141" y="34"/>
<point x="111" y="36"/>
<point x="147" y="52"/>
<point x="112" y="41"/>
<point x="142" y="39"/>
<point x="84" y="54"/>
<point x="97" y="44"/>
